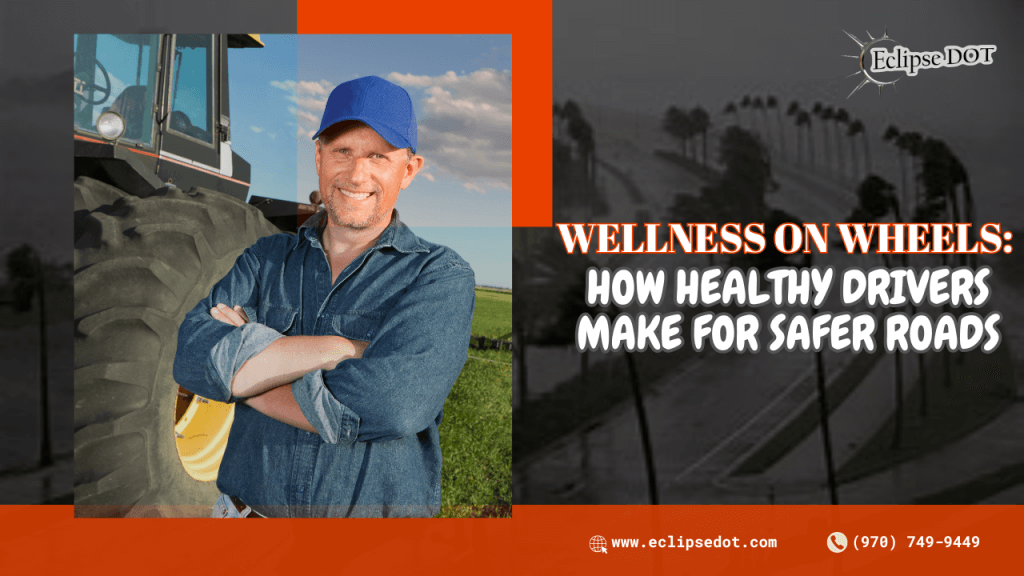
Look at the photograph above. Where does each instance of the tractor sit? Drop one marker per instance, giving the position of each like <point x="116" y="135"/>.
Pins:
<point x="160" y="216"/>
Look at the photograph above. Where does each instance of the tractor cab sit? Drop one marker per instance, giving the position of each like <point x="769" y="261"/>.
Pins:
<point x="152" y="109"/>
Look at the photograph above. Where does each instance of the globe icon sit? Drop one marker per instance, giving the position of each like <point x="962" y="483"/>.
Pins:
<point x="598" y="544"/>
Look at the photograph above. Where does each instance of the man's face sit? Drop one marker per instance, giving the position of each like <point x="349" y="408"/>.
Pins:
<point x="361" y="175"/>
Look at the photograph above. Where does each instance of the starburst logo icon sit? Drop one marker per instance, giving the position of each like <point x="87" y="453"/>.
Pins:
<point x="864" y="64"/>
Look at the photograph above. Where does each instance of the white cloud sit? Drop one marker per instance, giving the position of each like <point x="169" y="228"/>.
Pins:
<point x="310" y="98"/>
<point x="428" y="176"/>
<point x="308" y="117"/>
<point x="286" y="85"/>
<point x="256" y="129"/>
<point x="321" y="88"/>
<point x="473" y="187"/>
<point x="312" y="104"/>
<point x="466" y="125"/>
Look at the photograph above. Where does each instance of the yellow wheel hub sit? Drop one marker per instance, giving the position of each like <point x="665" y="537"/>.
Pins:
<point x="201" y="433"/>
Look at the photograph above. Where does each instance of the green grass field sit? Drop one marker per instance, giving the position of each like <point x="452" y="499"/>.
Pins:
<point x="476" y="434"/>
<point x="493" y="315"/>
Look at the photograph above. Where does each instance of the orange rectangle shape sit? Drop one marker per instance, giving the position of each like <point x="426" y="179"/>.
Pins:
<point x="50" y="540"/>
<point x="530" y="26"/>
<point x="592" y="540"/>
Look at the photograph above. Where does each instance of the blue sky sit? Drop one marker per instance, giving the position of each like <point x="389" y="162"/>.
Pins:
<point x="461" y="88"/>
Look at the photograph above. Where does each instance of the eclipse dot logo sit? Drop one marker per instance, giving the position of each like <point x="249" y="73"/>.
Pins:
<point x="836" y="542"/>
<point x="599" y="544"/>
<point x="873" y="59"/>
<point x="863" y="61"/>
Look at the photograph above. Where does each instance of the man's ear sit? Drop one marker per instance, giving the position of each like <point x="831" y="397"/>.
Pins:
<point x="412" y="168"/>
<point x="316" y="157"/>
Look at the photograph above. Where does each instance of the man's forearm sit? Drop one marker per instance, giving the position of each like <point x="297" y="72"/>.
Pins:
<point x="288" y="359"/>
<point x="280" y="405"/>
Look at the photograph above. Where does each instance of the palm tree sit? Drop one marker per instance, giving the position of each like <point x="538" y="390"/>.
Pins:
<point x="771" y="102"/>
<point x="829" y="115"/>
<point x="700" y="121"/>
<point x="892" y="136"/>
<point x="857" y="127"/>
<point x="570" y="272"/>
<point x="758" y="105"/>
<point x="936" y="175"/>
<point x="730" y="108"/>
<point x="828" y="129"/>
<point x="571" y="110"/>
<point x="875" y="202"/>
<point x="818" y="111"/>
<point x="745" y="103"/>
<point x="867" y="148"/>
<point x="645" y="432"/>
<point x="911" y="142"/>
<point x="27" y="274"/>
<point x="556" y="112"/>
<point x="961" y="178"/>
<point x="581" y="132"/>
<point x="826" y="115"/>
<point x="674" y="123"/>
<point x="687" y="133"/>
<point x="804" y="119"/>
<point x="792" y="110"/>
<point x="746" y="175"/>
<point x="680" y="124"/>
<point x="842" y="117"/>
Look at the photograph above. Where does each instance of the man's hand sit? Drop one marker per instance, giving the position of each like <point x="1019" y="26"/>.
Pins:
<point x="234" y="316"/>
<point x="288" y="358"/>
<point x="278" y="403"/>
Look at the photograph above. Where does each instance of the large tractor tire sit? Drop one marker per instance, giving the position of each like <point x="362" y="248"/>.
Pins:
<point x="140" y="265"/>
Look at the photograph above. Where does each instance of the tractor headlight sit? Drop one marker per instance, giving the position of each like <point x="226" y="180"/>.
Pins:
<point x="110" y="125"/>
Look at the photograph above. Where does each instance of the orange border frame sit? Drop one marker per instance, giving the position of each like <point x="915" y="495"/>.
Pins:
<point x="530" y="26"/>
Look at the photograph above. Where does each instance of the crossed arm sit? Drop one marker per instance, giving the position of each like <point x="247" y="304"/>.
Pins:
<point x="265" y="379"/>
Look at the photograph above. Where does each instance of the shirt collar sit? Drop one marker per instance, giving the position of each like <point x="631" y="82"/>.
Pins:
<point x="397" y="235"/>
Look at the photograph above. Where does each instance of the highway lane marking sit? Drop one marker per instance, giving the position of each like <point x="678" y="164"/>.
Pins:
<point x="729" y="439"/>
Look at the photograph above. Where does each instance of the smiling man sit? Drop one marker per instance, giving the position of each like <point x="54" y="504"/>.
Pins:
<point x="339" y="344"/>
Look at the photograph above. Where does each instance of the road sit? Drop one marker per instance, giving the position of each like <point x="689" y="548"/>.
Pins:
<point x="707" y="417"/>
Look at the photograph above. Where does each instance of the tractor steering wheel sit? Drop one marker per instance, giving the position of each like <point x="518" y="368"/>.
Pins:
<point x="104" y="91"/>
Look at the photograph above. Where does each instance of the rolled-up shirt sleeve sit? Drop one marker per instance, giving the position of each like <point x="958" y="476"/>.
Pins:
<point x="400" y="384"/>
<point x="211" y="352"/>
<point x="334" y="421"/>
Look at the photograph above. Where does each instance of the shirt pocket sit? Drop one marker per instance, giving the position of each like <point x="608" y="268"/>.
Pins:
<point x="358" y="325"/>
<point x="280" y="319"/>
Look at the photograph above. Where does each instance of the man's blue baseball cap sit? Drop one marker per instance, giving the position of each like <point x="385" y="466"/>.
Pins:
<point x="379" y="104"/>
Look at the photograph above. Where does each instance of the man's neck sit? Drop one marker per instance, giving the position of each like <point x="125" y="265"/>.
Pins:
<point x="341" y="240"/>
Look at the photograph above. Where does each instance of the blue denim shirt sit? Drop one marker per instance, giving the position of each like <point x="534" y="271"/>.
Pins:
<point x="377" y="451"/>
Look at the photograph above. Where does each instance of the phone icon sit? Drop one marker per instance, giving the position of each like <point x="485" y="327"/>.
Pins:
<point x="836" y="542"/>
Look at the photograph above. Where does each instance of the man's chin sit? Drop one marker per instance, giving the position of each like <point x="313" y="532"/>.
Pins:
<point x="353" y="221"/>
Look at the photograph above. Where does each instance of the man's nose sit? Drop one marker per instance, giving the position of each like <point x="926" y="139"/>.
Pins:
<point x="360" y="170"/>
